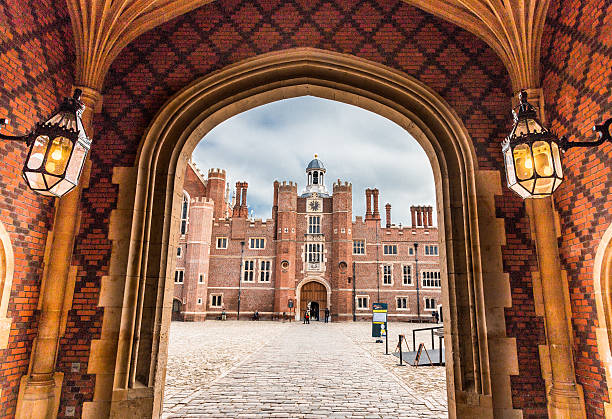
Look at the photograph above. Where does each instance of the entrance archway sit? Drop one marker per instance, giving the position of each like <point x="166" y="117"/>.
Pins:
<point x="151" y="194"/>
<point x="602" y="284"/>
<point x="315" y="294"/>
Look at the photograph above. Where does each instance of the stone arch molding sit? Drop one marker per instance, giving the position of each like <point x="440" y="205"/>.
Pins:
<point x="7" y="266"/>
<point x="298" y="294"/>
<point x="602" y="284"/>
<point x="130" y="357"/>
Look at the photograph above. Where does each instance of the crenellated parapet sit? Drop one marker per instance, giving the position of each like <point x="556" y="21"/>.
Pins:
<point x="287" y="186"/>
<point x="340" y="186"/>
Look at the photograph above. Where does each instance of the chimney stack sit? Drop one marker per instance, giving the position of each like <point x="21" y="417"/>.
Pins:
<point x="388" y="211"/>
<point x="368" y="194"/>
<point x="430" y="212"/>
<point x="244" y="211"/>
<point x="375" y="214"/>
<point x="412" y="215"/>
<point x="420" y="216"/>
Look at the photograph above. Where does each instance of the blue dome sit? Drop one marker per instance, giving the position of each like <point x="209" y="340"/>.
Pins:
<point x="315" y="164"/>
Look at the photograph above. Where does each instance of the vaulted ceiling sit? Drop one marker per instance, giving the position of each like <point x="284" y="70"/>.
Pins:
<point x="512" y="28"/>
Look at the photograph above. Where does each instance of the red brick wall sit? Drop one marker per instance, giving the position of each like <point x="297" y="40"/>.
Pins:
<point x="36" y="64"/>
<point x="456" y="64"/>
<point x="577" y="82"/>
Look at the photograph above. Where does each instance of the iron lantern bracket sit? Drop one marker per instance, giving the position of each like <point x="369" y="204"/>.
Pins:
<point x="603" y="132"/>
<point x="23" y="138"/>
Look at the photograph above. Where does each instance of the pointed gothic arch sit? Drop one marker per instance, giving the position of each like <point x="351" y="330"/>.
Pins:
<point x="137" y="300"/>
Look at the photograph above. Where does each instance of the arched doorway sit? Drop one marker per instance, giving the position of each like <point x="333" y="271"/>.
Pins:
<point x="314" y="295"/>
<point x="602" y="284"/>
<point x="153" y="192"/>
<point x="177" y="307"/>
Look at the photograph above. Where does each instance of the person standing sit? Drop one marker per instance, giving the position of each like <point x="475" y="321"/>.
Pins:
<point x="326" y="315"/>
<point x="306" y="317"/>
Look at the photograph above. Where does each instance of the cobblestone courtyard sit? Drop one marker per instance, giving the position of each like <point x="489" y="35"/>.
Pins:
<point x="270" y="369"/>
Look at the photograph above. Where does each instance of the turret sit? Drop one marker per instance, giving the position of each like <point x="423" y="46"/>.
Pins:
<point x="215" y="190"/>
<point x="315" y="172"/>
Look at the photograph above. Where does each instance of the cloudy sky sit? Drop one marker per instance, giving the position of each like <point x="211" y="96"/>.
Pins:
<point x="276" y="142"/>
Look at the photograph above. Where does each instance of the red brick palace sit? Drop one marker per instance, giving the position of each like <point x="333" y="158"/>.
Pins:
<point x="312" y="252"/>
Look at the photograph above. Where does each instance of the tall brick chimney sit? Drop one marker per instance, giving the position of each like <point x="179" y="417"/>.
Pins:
<point x="420" y="216"/>
<point x="413" y="215"/>
<point x="430" y="212"/>
<point x="236" y="210"/>
<point x="375" y="213"/>
<point x="368" y="194"/>
<point x="244" y="209"/>
<point x="388" y="214"/>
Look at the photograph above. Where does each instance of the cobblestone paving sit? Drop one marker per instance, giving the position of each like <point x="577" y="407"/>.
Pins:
<point x="294" y="370"/>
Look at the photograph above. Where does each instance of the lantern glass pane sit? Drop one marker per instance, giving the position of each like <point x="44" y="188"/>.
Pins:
<point x="76" y="163"/>
<point x="51" y="180"/>
<point x="510" y="167"/>
<point x="543" y="158"/>
<point x="528" y="184"/>
<point x="534" y="127"/>
<point x="521" y="128"/>
<point x="544" y="186"/>
<point x="523" y="162"/>
<point x="520" y="190"/>
<point x="37" y="155"/>
<point x="58" y="155"/>
<point x="35" y="180"/>
<point x="62" y="188"/>
<point x="557" y="159"/>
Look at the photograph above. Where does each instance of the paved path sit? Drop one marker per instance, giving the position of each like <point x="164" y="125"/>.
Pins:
<point x="306" y="371"/>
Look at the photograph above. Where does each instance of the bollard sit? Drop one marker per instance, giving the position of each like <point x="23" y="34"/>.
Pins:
<point x="400" y="349"/>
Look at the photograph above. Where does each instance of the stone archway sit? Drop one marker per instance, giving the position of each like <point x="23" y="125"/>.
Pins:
<point x="299" y="307"/>
<point x="7" y="266"/>
<point x="133" y="343"/>
<point x="602" y="284"/>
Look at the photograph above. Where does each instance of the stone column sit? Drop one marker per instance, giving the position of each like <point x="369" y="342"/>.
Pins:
<point x="40" y="389"/>
<point x="565" y="400"/>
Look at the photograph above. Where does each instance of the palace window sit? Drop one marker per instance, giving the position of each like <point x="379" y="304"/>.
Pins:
<point x="216" y="300"/>
<point x="362" y="302"/>
<point x="179" y="251"/>
<point x="184" y="213"/>
<point x="407" y="275"/>
<point x="257" y="243"/>
<point x="314" y="224"/>
<point x="314" y="252"/>
<point x="179" y="276"/>
<point x="315" y="178"/>
<point x="402" y="303"/>
<point x="264" y="272"/>
<point x="199" y="301"/>
<point x="411" y="250"/>
<point x="387" y="275"/>
<point x="249" y="271"/>
<point x="431" y="279"/>
<point x="430" y="304"/>
<point x="431" y="250"/>
<point x="390" y="249"/>
<point x="359" y="247"/>
<point x="201" y="279"/>
<point x="221" y="242"/>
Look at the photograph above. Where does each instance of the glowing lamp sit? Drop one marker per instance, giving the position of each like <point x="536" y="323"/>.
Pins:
<point x="58" y="149"/>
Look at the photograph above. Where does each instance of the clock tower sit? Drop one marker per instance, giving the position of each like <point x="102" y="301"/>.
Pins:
<point x="315" y="171"/>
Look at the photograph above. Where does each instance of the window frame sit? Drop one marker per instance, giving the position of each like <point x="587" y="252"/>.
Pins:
<point x="185" y="213"/>
<point x="212" y="300"/>
<point x="257" y="240"/>
<point x="433" y="304"/>
<point x="179" y="273"/>
<point x="362" y="247"/>
<point x="250" y="271"/>
<point x="392" y="247"/>
<point x="225" y="241"/>
<point x="390" y="266"/>
<point x="367" y="300"/>
<point x="406" y="301"/>
<point x="201" y="278"/>
<point x="314" y="226"/>
<point x="410" y="274"/>
<point x="309" y="252"/>
<point x="434" y="282"/>
<point x="267" y="271"/>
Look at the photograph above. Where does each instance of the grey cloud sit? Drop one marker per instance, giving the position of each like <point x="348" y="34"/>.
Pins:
<point x="276" y="142"/>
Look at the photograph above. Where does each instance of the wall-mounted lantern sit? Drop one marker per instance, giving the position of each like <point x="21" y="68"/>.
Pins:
<point x="58" y="149"/>
<point x="532" y="154"/>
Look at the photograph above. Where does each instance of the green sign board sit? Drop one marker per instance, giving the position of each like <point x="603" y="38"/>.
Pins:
<point x="379" y="319"/>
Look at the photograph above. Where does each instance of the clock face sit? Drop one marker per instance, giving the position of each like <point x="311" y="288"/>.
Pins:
<point x="314" y="205"/>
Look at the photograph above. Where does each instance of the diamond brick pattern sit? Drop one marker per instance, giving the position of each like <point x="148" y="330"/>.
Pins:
<point x="460" y="67"/>
<point x="36" y="64"/>
<point x="577" y="81"/>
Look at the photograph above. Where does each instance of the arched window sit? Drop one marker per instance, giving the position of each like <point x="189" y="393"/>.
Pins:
<point x="184" y="213"/>
<point x="315" y="178"/>
<point x="321" y="178"/>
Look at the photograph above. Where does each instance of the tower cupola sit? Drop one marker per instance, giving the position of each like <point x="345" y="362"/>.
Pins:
<point x="315" y="171"/>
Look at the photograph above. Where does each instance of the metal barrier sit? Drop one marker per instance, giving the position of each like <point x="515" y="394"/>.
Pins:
<point x="432" y="336"/>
